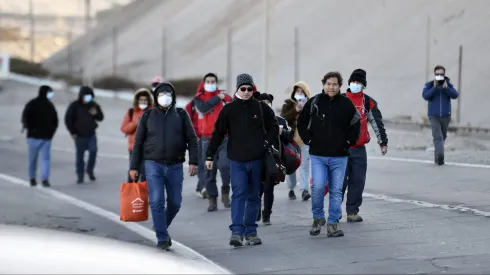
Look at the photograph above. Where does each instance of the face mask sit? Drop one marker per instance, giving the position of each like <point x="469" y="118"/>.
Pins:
<point x="87" y="98"/>
<point x="50" y="95"/>
<point x="355" y="88"/>
<point x="165" y="100"/>
<point x="299" y="97"/>
<point x="142" y="106"/>
<point x="439" y="77"/>
<point x="210" y="87"/>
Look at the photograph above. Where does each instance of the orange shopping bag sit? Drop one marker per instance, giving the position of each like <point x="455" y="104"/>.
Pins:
<point x="326" y="186"/>
<point x="134" y="202"/>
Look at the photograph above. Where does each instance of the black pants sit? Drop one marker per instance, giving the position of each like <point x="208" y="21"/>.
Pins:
<point x="141" y="172"/>
<point x="267" y="191"/>
<point x="355" y="179"/>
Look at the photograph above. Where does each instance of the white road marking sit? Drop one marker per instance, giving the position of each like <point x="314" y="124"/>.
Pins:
<point x="428" y="204"/>
<point x="470" y="165"/>
<point x="134" y="227"/>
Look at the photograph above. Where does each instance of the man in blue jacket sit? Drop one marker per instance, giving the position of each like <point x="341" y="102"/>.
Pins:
<point x="439" y="93"/>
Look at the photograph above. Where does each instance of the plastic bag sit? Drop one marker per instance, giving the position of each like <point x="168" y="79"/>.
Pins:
<point x="134" y="202"/>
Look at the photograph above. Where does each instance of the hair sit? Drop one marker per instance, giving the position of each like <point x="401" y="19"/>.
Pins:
<point x="439" y="67"/>
<point x="210" y="75"/>
<point x="333" y="75"/>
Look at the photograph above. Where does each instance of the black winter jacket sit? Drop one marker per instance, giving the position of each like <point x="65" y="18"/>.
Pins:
<point x="164" y="135"/>
<point x="287" y="134"/>
<point x="333" y="126"/>
<point x="78" y="120"/>
<point x="242" y="121"/>
<point x="39" y="117"/>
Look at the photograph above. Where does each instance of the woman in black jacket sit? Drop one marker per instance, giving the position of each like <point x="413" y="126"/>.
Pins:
<point x="286" y="135"/>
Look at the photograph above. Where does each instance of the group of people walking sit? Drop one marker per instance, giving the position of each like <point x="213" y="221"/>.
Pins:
<point x="231" y="134"/>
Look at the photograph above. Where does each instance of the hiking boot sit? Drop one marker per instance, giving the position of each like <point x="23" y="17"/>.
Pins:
<point x="225" y="199"/>
<point x="354" y="218"/>
<point x="316" y="228"/>
<point x="291" y="195"/>
<point x="266" y="218"/>
<point x="46" y="183"/>
<point x="91" y="176"/>
<point x="163" y="245"/>
<point x="253" y="240"/>
<point x="236" y="240"/>
<point x="33" y="182"/>
<point x="305" y="195"/>
<point x="334" y="231"/>
<point x="213" y="204"/>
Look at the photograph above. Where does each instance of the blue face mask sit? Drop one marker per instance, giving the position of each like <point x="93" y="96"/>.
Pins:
<point x="355" y="88"/>
<point x="210" y="87"/>
<point x="50" y="95"/>
<point x="87" y="98"/>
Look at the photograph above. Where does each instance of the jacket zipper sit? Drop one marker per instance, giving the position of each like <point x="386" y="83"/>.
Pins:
<point x="440" y="102"/>
<point x="329" y="118"/>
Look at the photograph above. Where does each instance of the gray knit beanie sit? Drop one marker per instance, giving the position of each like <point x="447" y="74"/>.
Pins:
<point x="244" y="79"/>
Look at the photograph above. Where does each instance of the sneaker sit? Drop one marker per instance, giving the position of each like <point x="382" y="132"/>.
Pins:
<point x="316" y="228"/>
<point x="80" y="181"/>
<point x="439" y="160"/>
<point x="333" y="230"/>
<point x="291" y="195"/>
<point x="236" y="240"/>
<point x="33" y="182"/>
<point x="354" y="218"/>
<point x="91" y="176"/>
<point x="305" y="195"/>
<point x="204" y="193"/>
<point x="213" y="204"/>
<point x="253" y="240"/>
<point x="163" y="245"/>
<point x="46" y="183"/>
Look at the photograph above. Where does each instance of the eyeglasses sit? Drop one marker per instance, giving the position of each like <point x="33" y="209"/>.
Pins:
<point x="246" y="89"/>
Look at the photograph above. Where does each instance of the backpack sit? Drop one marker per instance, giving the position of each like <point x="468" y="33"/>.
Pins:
<point x="130" y="114"/>
<point x="367" y="105"/>
<point x="291" y="156"/>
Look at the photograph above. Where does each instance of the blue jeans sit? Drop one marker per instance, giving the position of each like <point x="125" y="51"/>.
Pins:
<point x="160" y="178"/>
<point x="331" y="169"/>
<point x="246" y="178"/>
<point x="39" y="146"/>
<point x="83" y="144"/>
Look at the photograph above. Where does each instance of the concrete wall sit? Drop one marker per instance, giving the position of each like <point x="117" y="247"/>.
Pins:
<point x="386" y="38"/>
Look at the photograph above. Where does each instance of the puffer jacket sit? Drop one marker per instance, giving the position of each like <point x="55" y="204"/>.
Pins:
<point x="129" y="124"/>
<point x="289" y="111"/>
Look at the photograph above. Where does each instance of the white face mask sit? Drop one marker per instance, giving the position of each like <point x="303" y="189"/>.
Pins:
<point x="439" y="77"/>
<point x="165" y="100"/>
<point x="50" y="95"/>
<point x="210" y="87"/>
<point x="142" y="106"/>
<point x="299" y="97"/>
<point x="355" y="88"/>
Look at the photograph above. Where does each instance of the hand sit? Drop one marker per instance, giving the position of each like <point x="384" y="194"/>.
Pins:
<point x="435" y="83"/>
<point x="384" y="150"/>
<point x="74" y="137"/>
<point x="209" y="164"/>
<point x="133" y="174"/>
<point x="192" y="170"/>
<point x="280" y="131"/>
<point x="445" y="84"/>
<point x="92" y="111"/>
<point x="222" y="96"/>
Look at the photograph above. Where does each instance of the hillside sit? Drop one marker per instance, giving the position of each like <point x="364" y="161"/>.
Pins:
<point x="386" y="38"/>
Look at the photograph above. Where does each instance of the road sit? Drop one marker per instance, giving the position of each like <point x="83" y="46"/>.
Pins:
<point x="419" y="218"/>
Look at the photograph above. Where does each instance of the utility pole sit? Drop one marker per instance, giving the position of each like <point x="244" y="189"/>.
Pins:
<point x="229" y="60"/>
<point x="32" y="31"/>
<point x="265" y="65"/>
<point x="114" y="51"/>
<point x="460" y="81"/>
<point x="70" y="52"/>
<point x="427" y="50"/>
<point x="87" y="69"/>
<point x="164" y="54"/>
<point x="296" y="55"/>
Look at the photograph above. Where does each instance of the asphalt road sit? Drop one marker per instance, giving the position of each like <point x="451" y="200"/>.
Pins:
<point x="419" y="218"/>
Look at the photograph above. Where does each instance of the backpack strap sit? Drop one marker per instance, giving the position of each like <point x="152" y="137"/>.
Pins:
<point x="367" y="103"/>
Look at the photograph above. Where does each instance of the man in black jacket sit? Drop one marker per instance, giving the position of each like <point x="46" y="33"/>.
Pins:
<point x="162" y="137"/>
<point x="81" y="121"/>
<point x="329" y="123"/>
<point x="244" y="120"/>
<point x="41" y="121"/>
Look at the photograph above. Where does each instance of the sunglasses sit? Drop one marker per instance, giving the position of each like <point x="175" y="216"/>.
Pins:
<point x="246" y="89"/>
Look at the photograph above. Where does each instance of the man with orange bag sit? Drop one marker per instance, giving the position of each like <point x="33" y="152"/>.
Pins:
<point x="162" y="137"/>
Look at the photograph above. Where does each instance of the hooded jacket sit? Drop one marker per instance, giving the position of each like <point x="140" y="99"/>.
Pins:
<point x="289" y="111"/>
<point x="439" y="98"/>
<point x="129" y="124"/>
<point x="208" y="105"/>
<point x="164" y="134"/>
<point x="39" y="116"/>
<point x="78" y="120"/>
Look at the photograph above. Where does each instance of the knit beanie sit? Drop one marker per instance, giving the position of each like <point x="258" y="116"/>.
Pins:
<point x="358" y="75"/>
<point x="244" y="79"/>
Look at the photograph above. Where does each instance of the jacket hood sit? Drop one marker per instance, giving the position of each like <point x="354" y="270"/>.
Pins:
<point x="164" y="87"/>
<point x="303" y="86"/>
<point x="43" y="91"/>
<point x="85" y="90"/>
<point x="200" y="88"/>
<point x="142" y="92"/>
